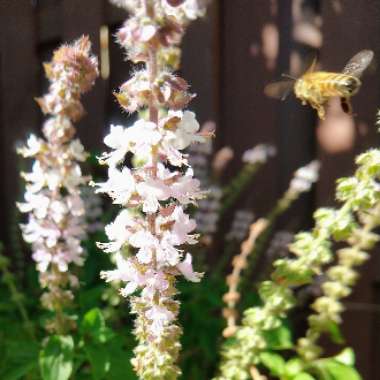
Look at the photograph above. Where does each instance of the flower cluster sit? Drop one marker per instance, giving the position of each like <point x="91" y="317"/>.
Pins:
<point x="242" y="353"/>
<point x="149" y="235"/>
<point x="260" y="153"/>
<point x="52" y="199"/>
<point x="353" y="223"/>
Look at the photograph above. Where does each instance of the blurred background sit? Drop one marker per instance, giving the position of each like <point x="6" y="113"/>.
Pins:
<point x="228" y="57"/>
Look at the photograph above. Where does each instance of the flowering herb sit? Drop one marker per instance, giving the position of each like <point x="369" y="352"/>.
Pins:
<point x="301" y="182"/>
<point x="354" y="223"/>
<point x="149" y="235"/>
<point x="53" y="202"/>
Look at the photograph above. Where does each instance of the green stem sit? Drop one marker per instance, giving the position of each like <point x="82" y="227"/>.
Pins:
<point x="16" y="296"/>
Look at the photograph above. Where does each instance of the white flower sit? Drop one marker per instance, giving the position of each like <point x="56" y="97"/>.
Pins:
<point x="120" y="185"/>
<point x="77" y="151"/>
<point x="151" y="192"/>
<point x="185" y="134"/>
<point x="138" y="139"/>
<point x="147" y="244"/>
<point x="142" y="136"/>
<point x="186" y="268"/>
<point x="58" y="211"/>
<point x="118" y="232"/>
<point x="38" y="203"/>
<point x="115" y="140"/>
<point x="36" y="178"/>
<point x="258" y="154"/>
<point x="304" y="177"/>
<point x="126" y="272"/>
<point x="188" y="10"/>
<point x="33" y="146"/>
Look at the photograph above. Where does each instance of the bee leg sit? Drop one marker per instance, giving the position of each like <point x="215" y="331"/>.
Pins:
<point x="320" y="110"/>
<point x="346" y="105"/>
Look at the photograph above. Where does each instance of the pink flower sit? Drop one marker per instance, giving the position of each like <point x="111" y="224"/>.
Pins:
<point x="186" y="189"/>
<point x="38" y="203"/>
<point x="126" y="272"/>
<point x="167" y="254"/>
<point x="152" y="191"/>
<point x="160" y="317"/>
<point x="182" y="226"/>
<point x="155" y="282"/>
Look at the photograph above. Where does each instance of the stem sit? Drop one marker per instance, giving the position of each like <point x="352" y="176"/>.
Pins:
<point x="255" y="374"/>
<point x="8" y="279"/>
<point x="239" y="263"/>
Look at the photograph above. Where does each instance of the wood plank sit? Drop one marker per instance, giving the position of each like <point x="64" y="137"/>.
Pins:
<point x="18" y="79"/>
<point x="347" y="29"/>
<point x="246" y="116"/>
<point x="86" y="17"/>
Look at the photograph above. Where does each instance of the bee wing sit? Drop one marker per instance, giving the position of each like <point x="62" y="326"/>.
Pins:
<point x="358" y="63"/>
<point x="279" y="90"/>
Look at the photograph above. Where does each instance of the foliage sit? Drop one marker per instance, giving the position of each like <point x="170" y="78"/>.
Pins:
<point x="234" y="329"/>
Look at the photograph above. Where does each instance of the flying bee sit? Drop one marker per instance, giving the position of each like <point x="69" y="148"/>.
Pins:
<point x="317" y="87"/>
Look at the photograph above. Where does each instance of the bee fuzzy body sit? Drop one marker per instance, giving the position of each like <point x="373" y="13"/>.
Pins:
<point x="316" y="88"/>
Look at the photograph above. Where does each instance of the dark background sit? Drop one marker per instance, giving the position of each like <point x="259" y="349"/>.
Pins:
<point x="228" y="58"/>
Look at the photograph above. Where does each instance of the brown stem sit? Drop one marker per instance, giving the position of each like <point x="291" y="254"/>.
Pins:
<point x="239" y="263"/>
<point x="255" y="374"/>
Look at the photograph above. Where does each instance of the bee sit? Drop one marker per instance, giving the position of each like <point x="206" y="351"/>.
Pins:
<point x="317" y="87"/>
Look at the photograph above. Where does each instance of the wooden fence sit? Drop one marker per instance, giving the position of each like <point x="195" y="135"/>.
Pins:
<point x="228" y="58"/>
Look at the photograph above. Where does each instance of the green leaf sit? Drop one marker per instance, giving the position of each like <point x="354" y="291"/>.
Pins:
<point x="99" y="359"/>
<point x="93" y="325"/>
<point x="293" y="367"/>
<point x="335" y="333"/>
<point x="274" y="362"/>
<point x="121" y="367"/>
<point x="347" y="357"/>
<point x="56" y="358"/>
<point x="303" y="376"/>
<point x="18" y="372"/>
<point x="279" y="339"/>
<point x="335" y="370"/>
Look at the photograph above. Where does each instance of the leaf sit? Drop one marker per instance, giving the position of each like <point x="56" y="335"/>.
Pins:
<point x="56" y="358"/>
<point x="17" y="363"/>
<point x="293" y="367"/>
<point x="335" y="370"/>
<point x="19" y="371"/>
<point x="347" y="357"/>
<point x="121" y="367"/>
<point x="274" y="362"/>
<point x="94" y="326"/>
<point x="279" y="339"/>
<point x="99" y="359"/>
<point x="335" y="333"/>
<point x="303" y="376"/>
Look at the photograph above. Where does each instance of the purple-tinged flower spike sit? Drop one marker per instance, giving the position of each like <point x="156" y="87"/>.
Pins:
<point x="149" y="236"/>
<point x="53" y="201"/>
